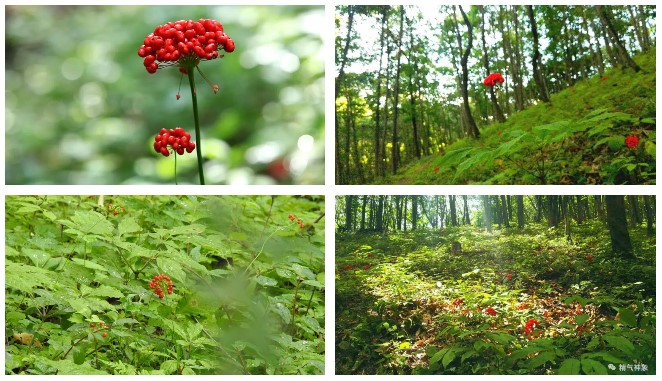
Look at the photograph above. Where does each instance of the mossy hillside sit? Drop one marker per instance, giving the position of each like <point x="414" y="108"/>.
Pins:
<point x="578" y="138"/>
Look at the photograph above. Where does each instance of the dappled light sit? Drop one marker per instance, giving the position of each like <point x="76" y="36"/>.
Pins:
<point x="430" y="292"/>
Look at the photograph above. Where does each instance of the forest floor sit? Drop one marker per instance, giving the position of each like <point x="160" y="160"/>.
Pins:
<point x="509" y="302"/>
<point x="577" y="138"/>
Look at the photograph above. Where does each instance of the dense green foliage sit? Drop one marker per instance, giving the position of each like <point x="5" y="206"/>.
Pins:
<point x="81" y="108"/>
<point x="414" y="103"/>
<point x="407" y="303"/>
<point x="248" y="295"/>
<point x="578" y="138"/>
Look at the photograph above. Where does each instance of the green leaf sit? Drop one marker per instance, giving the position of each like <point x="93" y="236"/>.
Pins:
<point x="28" y="208"/>
<point x="172" y="268"/>
<point x="501" y="338"/>
<point x="79" y="356"/>
<point x="169" y="366"/>
<point x="581" y="319"/>
<point x="26" y="278"/>
<point x="506" y="148"/>
<point x="50" y="215"/>
<point x="38" y="257"/>
<point x="620" y="343"/>
<point x="541" y="359"/>
<point x="193" y="229"/>
<point x="438" y="356"/>
<point x="524" y="352"/>
<point x="303" y="272"/>
<point x="89" y="264"/>
<point x="124" y="321"/>
<point x="91" y="222"/>
<point x="450" y="355"/>
<point x="404" y="345"/>
<point x="648" y="120"/>
<point x="134" y="250"/>
<point x="595" y="341"/>
<point x="283" y="312"/>
<point x="593" y="367"/>
<point x="649" y="146"/>
<point x="605" y="356"/>
<point x="570" y="367"/>
<point x="106" y="291"/>
<point x="127" y="225"/>
<point x="266" y="281"/>
<point x="628" y="317"/>
<point x="285" y="273"/>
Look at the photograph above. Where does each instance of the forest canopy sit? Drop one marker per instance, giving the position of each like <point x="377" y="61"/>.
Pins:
<point x="495" y="94"/>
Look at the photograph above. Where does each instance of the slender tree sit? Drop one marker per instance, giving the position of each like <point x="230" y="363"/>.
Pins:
<point x="622" y="55"/>
<point x="618" y="228"/>
<point x="395" y="149"/>
<point x="520" y="212"/>
<point x="471" y="123"/>
<point x="535" y="62"/>
<point x="486" y="63"/>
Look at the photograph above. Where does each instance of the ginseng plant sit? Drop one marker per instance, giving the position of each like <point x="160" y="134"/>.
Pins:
<point x="184" y="44"/>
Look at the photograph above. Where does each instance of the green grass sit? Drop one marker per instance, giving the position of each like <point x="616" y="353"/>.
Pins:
<point x="578" y="138"/>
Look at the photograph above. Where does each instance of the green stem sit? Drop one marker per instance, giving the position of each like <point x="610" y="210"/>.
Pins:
<point x="176" y="168"/>
<point x="198" y="146"/>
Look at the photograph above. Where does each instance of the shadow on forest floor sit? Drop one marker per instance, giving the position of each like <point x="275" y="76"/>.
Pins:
<point x="506" y="303"/>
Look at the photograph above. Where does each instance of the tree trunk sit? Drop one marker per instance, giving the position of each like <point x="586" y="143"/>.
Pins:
<point x="348" y="212"/>
<point x="414" y="212"/>
<point x="622" y="54"/>
<point x="379" y="172"/>
<point x="363" y="205"/>
<point x="566" y="217"/>
<point x="504" y="212"/>
<point x="520" y="212"/>
<point x="517" y="75"/>
<point x="498" y="114"/>
<point x="553" y="217"/>
<point x="471" y="123"/>
<point x="340" y="170"/>
<point x="618" y="228"/>
<point x="380" y="215"/>
<point x="650" y="216"/>
<point x="645" y="34"/>
<point x="412" y="100"/>
<point x="398" y="212"/>
<point x="467" y="220"/>
<point x="537" y="75"/>
<point x="488" y="213"/>
<point x="453" y="210"/>
<point x="395" y="151"/>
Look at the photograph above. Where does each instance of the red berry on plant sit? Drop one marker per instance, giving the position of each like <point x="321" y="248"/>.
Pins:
<point x="104" y="334"/>
<point x="177" y="139"/>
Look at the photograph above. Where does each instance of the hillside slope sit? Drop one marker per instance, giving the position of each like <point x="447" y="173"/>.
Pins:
<point x="578" y="138"/>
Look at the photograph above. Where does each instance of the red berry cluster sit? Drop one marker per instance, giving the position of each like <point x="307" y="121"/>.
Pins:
<point x="184" y="42"/>
<point x="529" y="327"/>
<point x="177" y="138"/>
<point x="490" y="311"/>
<point x="457" y="302"/>
<point x="299" y="221"/>
<point x="493" y="79"/>
<point x="632" y="141"/>
<point x="115" y="209"/>
<point x="102" y="326"/>
<point x="159" y="282"/>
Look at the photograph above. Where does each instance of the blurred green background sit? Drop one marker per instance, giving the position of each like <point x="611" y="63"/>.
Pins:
<point x="81" y="108"/>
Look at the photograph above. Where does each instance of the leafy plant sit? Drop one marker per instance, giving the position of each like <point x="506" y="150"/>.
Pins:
<point x="164" y="285"/>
